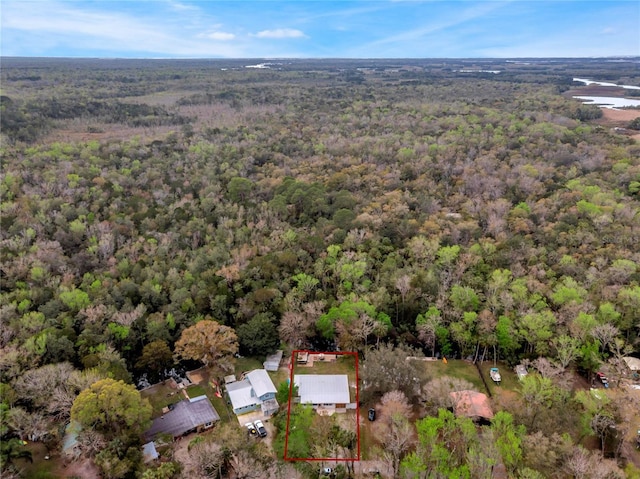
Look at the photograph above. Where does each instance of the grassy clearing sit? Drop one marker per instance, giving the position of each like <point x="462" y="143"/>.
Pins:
<point x="367" y="437"/>
<point x="510" y="379"/>
<point x="456" y="368"/>
<point x="40" y="468"/>
<point x="161" y="395"/>
<point x="245" y="365"/>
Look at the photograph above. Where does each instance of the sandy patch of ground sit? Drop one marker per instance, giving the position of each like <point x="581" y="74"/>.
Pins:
<point x="620" y="115"/>
<point x="198" y="375"/>
<point x="82" y="469"/>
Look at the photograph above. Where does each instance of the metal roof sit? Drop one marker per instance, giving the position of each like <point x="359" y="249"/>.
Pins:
<point x="633" y="363"/>
<point x="240" y="394"/>
<point x="323" y="388"/>
<point x="273" y="361"/>
<point x="261" y="382"/>
<point x="185" y="416"/>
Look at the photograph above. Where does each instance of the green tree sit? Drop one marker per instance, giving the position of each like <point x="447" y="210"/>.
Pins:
<point x="239" y="189"/>
<point x="259" y="336"/>
<point x="75" y="299"/>
<point x="464" y="298"/>
<point x="210" y="342"/>
<point x="536" y="329"/>
<point x="156" y="357"/>
<point x="112" y="408"/>
<point x="119" y="459"/>
<point x="300" y="434"/>
<point x="537" y="393"/>
<point x="426" y="325"/>
<point x="443" y="445"/>
<point x="11" y="450"/>
<point x="166" y="470"/>
<point x="508" y="439"/>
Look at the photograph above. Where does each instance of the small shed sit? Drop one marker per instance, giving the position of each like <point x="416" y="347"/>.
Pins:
<point x="632" y="363"/>
<point x="273" y="361"/>
<point x="149" y="452"/>
<point x="70" y="445"/>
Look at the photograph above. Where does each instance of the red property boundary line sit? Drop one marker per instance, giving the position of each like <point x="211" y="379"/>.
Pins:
<point x="286" y="437"/>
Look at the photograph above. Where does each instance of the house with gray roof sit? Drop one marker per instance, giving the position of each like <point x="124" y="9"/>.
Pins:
<point x="190" y="415"/>
<point x="323" y="390"/>
<point x="255" y="391"/>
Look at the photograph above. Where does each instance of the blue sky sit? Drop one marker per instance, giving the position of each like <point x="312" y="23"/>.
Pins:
<point x="312" y="28"/>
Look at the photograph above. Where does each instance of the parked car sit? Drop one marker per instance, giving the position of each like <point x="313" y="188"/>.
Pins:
<point x="372" y="414"/>
<point x="603" y="379"/>
<point x="262" y="431"/>
<point x="251" y="428"/>
<point x="326" y="471"/>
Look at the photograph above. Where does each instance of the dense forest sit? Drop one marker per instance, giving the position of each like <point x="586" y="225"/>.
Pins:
<point x="465" y="209"/>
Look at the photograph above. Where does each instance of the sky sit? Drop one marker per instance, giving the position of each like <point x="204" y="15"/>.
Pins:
<point x="319" y="29"/>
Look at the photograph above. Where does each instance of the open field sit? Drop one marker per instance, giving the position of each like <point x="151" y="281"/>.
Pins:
<point x="456" y="368"/>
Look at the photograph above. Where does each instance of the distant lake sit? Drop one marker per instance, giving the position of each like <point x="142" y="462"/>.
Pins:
<point x="604" y="83"/>
<point x="608" y="101"/>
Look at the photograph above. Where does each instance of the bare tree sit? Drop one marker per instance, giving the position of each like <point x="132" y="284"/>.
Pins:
<point x="582" y="464"/>
<point x="246" y="466"/>
<point x="397" y="435"/>
<point x="205" y="459"/>
<point x="605" y="333"/>
<point x="578" y="464"/>
<point x="29" y="426"/>
<point x="394" y="402"/>
<point x="90" y="442"/>
<point x="296" y="326"/>
<point x="403" y="285"/>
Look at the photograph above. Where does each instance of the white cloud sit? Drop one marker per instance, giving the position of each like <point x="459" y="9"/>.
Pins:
<point x="221" y="36"/>
<point x="280" y="33"/>
<point x="181" y="6"/>
<point x="64" y="26"/>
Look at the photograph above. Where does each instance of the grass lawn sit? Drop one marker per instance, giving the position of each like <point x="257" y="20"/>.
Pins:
<point x="40" y="468"/>
<point x="279" y="376"/>
<point x="456" y="368"/>
<point x="220" y="405"/>
<point x="196" y="390"/>
<point x="367" y="437"/>
<point x="161" y="395"/>
<point x="344" y="364"/>
<point x="509" y="381"/>
<point x="245" y="365"/>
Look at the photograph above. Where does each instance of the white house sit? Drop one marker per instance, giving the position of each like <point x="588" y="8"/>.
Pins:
<point x="255" y="391"/>
<point x="324" y="390"/>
